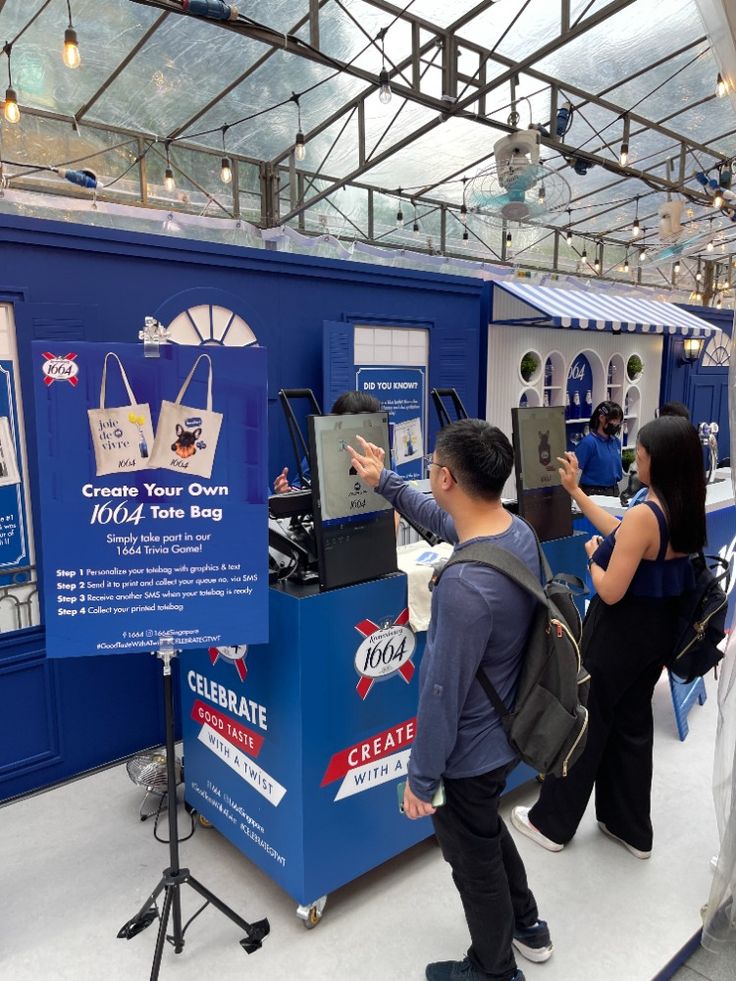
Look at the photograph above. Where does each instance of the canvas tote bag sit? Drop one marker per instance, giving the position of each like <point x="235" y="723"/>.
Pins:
<point x="122" y="437"/>
<point x="186" y="438"/>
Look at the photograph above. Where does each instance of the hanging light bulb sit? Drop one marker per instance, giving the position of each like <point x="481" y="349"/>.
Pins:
<point x="623" y="157"/>
<point x="718" y="302"/>
<point x="568" y="237"/>
<point x="584" y="255"/>
<point x="399" y="218"/>
<point x="597" y="265"/>
<point x="466" y="237"/>
<point x="300" y="149"/>
<point x="721" y="87"/>
<point x="718" y="200"/>
<point x="626" y="264"/>
<point x="676" y="267"/>
<point x="463" y="213"/>
<point x="384" y="94"/>
<point x="169" y="182"/>
<point x="541" y="194"/>
<point x="635" y="229"/>
<point x="643" y="254"/>
<point x="415" y="228"/>
<point x="508" y="238"/>
<point x="698" y="276"/>
<point x="226" y="172"/>
<point x="711" y="245"/>
<point x="71" y="48"/>
<point x="10" y="106"/>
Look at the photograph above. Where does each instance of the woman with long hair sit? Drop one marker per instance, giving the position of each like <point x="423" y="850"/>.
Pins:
<point x="639" y="571"/>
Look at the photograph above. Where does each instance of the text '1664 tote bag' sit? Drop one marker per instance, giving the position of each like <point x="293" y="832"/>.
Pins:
<point x="122" y="437"/>
<point x="186" y="438"/>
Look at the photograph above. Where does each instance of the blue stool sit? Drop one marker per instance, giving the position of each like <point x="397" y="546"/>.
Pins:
<point x="684" y="696"/>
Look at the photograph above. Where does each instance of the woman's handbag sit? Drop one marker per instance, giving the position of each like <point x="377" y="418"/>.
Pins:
<point x="701" y="624"/>
<point x="122" y="436"/>
<point x="186" y="438"/>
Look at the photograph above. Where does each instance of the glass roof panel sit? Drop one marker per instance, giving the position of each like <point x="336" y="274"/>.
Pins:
<point x="269" y="134"/>
<point x="39" y="75"/>
<point x="172" y="77"/>
<point x="624" y="43"/>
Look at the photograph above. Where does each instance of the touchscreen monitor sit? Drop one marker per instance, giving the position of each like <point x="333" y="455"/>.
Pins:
<point x="354" y="525"/>
<point x="539" y="439"/>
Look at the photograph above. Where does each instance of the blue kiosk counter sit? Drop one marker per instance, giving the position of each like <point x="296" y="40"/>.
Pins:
<point x="293" y="749"/>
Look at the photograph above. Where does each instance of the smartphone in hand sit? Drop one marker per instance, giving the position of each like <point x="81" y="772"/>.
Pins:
<point x="437" y="800"/>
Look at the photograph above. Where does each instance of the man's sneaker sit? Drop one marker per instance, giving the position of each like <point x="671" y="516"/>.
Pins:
<point x="520" y="820"/>
<point x="460" y="971"/>
<point x="534" y="942"/>
<point x="629" y="848"/>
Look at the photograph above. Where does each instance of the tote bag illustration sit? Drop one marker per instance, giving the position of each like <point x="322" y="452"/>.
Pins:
<point x="123" y="436"/>
<point x="186" y="438"/>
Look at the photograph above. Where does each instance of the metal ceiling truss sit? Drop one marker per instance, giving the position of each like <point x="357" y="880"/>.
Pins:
<point x="463" y="96"/>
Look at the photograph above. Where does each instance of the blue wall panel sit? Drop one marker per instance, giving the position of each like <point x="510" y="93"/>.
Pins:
<point x="70" y="283"/>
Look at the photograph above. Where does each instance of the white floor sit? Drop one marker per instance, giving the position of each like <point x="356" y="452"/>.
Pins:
<point x="75" y="863"/>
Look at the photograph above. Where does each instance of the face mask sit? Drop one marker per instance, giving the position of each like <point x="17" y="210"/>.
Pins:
<point x="611" y="428"/>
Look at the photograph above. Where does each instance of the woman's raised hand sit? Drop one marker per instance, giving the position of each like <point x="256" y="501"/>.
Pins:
<point x="568" y="471"/>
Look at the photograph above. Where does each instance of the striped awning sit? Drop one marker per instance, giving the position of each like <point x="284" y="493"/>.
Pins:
<point x="550" y="306"/>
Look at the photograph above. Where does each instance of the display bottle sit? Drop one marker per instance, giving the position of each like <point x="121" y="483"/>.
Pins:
<point x="576" y="405"/>
<point x="610" y="374"/>
<point x="567" y="405"/>
<point x="625" y="433"/>
<point x="545" y="398"/>
<point x="548" y="372"/>
<point x="589" y="398"/>
<point x="586" y="429"/>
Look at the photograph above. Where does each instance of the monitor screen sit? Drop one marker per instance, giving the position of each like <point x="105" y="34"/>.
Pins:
<point x="542" y="439"/>
<point x="354" y="526"/>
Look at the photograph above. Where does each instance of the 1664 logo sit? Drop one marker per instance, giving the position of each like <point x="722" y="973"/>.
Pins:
<point x="57" y="368"/>
<point x="387" y="650"/>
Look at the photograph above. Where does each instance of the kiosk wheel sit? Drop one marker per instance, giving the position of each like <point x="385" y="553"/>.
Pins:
<point x="203" y="822"/>
<point x="311" y="913"/>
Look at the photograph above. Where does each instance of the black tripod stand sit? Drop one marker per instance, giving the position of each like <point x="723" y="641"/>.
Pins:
<point x="174" y="877"/>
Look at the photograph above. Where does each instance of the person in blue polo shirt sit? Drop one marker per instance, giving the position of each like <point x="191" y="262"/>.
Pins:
<point x="599" y="453"/>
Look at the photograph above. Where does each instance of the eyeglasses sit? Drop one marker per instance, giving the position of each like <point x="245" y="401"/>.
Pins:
<point x="429" y="462"/>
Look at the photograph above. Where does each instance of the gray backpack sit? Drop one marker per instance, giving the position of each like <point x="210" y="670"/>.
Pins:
<point x="548" y="724"/>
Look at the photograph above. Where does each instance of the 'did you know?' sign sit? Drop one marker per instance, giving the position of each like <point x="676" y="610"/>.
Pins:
<point x="152" y="484"/>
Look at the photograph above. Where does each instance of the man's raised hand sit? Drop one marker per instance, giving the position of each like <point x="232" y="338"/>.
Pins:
<point x="369" y="463"/>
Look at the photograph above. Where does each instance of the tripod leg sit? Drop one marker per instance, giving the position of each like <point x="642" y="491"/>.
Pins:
<point x="255" y="932"/>
<point x="161" y="939"/>
<point x="144" y="917"/>
<point x="178" y="937"/>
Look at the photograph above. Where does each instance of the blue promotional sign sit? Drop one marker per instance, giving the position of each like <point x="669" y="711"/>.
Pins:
<point x="14" y="550"/>
<point x="149" y="534"/>
<point x="402" y="393"/>
<point x="578" y="400"/>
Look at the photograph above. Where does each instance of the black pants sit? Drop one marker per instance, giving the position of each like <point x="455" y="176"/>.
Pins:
<point x="624" y="648"/>
<point x="486" y="868"/>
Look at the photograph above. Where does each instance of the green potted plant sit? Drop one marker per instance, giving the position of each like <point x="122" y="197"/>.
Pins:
<point x="628" y="456"/>
<point x="634" y="367"/>
<point x="529" y="366"/>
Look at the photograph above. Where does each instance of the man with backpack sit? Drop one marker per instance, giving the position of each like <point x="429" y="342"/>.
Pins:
<point x="478" y="620"/>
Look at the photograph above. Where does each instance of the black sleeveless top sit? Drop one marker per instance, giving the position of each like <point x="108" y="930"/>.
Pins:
<point x="658" y="577"/>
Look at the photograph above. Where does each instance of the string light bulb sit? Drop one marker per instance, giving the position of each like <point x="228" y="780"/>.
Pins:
<point x="721" y="87"/>
<point x="70" y="53"/>
<point x="384" y="93"/>
<point x="623" y="157"/>
<point x="718" y="200"/>
<point x="584" y="255"/>
<point x="597" y="265"/>
<point x="10" y="106"/>
<point x="415" y="228"/>
<point x="300" y="149"/>
<point x="636" y="228"/>
<point x="466" y="237"/>
<point x="463" y="214"/>
<point x="226" y="171"/>
<point x="626" y="264"/>
<point x="676" y="267"/>
<point x="508" y="238"/>
<point x="384" y="83"/>
<point x="542" y="194"/>
<point x="399" y="218"/>
<point x="169" y="182"/>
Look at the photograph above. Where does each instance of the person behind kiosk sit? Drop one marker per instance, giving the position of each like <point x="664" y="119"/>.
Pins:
<point x="346" y="404"/>
<point x="599" y="453"/>
<point x="460" y="740"/>
<point x="639" y="571"/>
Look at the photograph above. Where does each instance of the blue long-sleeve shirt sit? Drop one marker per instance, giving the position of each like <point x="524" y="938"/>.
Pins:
<point x="478" y="617"/>
<point x="599" y="459"/>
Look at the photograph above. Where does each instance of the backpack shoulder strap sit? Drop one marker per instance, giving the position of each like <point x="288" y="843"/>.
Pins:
<point x="503" y="561"/>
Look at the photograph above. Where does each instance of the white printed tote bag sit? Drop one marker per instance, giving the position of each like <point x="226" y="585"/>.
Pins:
<point x="122" y="437"/>
<point x="186" y="438"/>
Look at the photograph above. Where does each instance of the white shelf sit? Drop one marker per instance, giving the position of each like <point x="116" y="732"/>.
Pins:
<point x="631" y="417"/>
<point x="615" y="385"/>
<point x="552" y="388"/>
<point x="576" y="422"/>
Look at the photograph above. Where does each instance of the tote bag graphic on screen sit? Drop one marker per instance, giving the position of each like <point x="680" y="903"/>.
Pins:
<point x="122" y="437"/>
<point x="186" y="438"/>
